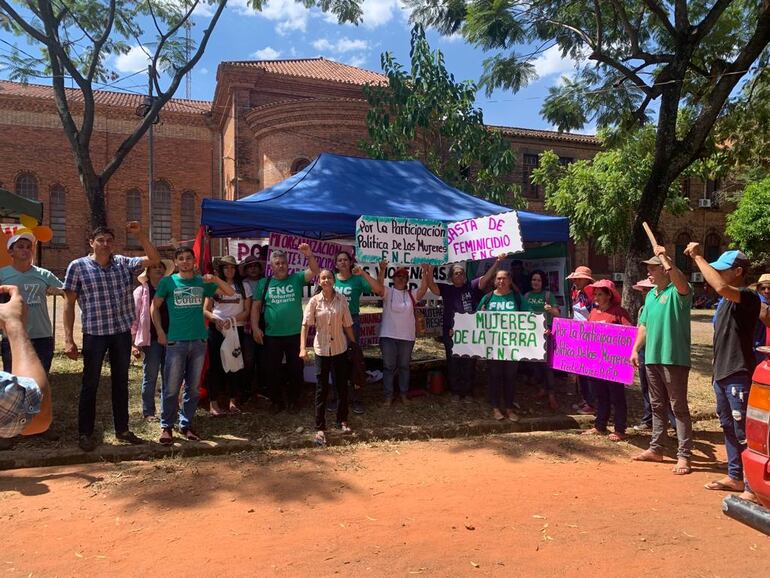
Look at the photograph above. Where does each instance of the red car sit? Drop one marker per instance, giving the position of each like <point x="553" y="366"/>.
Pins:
<point x="756" y="457"/>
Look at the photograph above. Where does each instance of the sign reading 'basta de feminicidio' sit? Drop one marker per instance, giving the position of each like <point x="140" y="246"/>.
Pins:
<point x="500" y="335"/>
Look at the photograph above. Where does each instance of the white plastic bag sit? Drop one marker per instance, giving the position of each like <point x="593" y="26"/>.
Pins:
<point x="230" y="352"/>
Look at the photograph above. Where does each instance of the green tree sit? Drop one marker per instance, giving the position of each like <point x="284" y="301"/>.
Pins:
<point x="426" y="115"/>
<point x="749" y="225"/>
<point x="76" y="39"/>
<point x="636" y="59"/>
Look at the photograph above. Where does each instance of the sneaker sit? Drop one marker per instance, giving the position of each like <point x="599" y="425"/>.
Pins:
<point x="86" y="443"/>
<point x="166" y="436"/>
<point x="130" y="438"/>
<point x="642" y="427"/>
<point x="357" y="406"/>
<point x="333" y="404"/>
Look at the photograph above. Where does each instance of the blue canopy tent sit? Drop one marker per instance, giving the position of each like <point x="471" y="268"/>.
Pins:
<point x="329" y="195"/>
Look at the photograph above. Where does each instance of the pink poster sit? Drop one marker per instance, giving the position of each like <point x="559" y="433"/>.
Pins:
<point x="600" y="350"/>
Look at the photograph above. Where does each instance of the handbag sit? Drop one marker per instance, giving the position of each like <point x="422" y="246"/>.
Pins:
<point x="420" y="326"/>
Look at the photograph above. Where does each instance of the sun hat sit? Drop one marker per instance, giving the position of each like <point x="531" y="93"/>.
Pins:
<point x="167" y="263"/>
<point x="730" y="259"/>
<point x="225" y="260"/>
<point x="401" y="272"/>
<point x="653" y="261"/>
<point x="603" y="284"/>
<point x="581" y="272"/>
<point x="250" y="260"/>
<point x="643" y="284"/>
<point x="764" y="279"/>
<point x="28" y="236"/>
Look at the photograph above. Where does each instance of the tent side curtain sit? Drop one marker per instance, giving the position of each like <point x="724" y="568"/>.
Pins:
<point x="325" y="199"/>
<point x="13" y="206"/>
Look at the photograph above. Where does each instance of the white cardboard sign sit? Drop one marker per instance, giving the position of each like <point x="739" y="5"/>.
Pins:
<point x="500" y="335"/>
<point x="484" y="237"/>
<point x="401" y="241"/>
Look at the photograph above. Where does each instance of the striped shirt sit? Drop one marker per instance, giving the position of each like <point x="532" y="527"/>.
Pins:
<point x="104" y="293"/>
<point x="329" y="317"/>
<point x="20" y="399"/>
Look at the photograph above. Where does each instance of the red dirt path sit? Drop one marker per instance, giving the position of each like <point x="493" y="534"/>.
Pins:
<point x="540" y="505"/>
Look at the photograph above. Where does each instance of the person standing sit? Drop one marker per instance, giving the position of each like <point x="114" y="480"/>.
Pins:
<point x="610" y="395"/>
<point x="185" y="341"/>
<point x="35" y="283"/>
<point x="329" y="312"/>
<point x="251" y="270"/>
<point x="460" y="296"/>
<point x="277" y="301"/>
<point x="145" y="337"/>
<point x="734" y="359"/>
<point x="102" y="284"/>
<point x="664" y="333"/>
<point x="763" y="323"/>
<point x="581" y="277"/>
<point x="541" y="300"/>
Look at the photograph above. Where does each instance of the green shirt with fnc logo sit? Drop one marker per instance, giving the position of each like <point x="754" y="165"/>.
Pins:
<point x="283" y="304"/>
<point x="184" y="300"/>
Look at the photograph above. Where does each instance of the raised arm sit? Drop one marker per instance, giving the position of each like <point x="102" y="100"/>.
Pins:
<point x="151" y="255"/>
<point x="678" y="278"/>
<point x="222" y="286"/>
<point x="489" y="276"/>
<point x="312" y="264"/>
<point x="427" y="272"/>
<point x="375" y="284"/>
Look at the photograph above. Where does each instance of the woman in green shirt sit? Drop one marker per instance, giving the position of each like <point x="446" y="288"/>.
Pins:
<point x="541" y="300"/>
<point x="501" y="375"/>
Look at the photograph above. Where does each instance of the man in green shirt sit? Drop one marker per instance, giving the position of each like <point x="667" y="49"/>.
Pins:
<point x="185" y="343"/>
<point x="664" y="333"/>
<point x="277" y="301"/>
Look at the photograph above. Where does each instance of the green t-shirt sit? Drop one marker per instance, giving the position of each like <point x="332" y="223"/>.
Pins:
<point x="507" y="302"/>
<point x="666" y="316"/>
<point x="283" y="304"/>
<point x="352" y="289"/>
<point x="536" y="303"/>
<point x="184" y="300"/>
<point x="33" y="284"/>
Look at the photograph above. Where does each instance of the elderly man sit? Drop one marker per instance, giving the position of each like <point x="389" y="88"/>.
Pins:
<point x="25" y="399"/>
<point x="102" y="283"/>
<point x="277" y="301"/>
<point x="664" y="333"/>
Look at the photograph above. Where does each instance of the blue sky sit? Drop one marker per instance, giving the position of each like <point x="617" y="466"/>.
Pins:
<point x="286" y="29"/>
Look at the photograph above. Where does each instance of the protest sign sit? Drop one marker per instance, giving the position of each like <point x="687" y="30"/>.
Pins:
<point x="242" y="248"/>
<point x="401" y="241"/>
<point x="324" y="252"/>
<point x="484" y="237"/>
<point x="503" y="336"/>
<point x="600" y="350"/>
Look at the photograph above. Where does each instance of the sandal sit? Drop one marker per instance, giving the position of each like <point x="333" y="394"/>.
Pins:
<point x="345" y="428"/>
<point x="682" y="470"/>
<point x="498" y="415"/>
<point x="594" y="432"/>
<point x="320" y="439"/>
<point x="166" y="437"/>
<point x="617" y="436"/>
<point x="190" y="435"/>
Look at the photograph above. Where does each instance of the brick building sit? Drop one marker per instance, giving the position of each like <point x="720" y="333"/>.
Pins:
<point x="267" y="120"/>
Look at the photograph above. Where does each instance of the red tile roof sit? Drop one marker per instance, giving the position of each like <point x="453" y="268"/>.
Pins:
<point x="546" y="134"/>
<point x="317" y="68"/>
<point x="102" y="97"/>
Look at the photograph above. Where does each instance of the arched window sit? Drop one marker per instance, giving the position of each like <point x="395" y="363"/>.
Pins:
<point x="161" y="213"/>
<point x="58" y="215"/>
<point x="26" y="186"/>
<point x="712" y="247"/>
<point x="133" y="213"/>
<point x="298" y="165"/>
<point x="682" y="261"/>
<point x="187" y="218"/>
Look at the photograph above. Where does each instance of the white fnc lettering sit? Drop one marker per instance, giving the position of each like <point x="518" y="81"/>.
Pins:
<point x="188" y="297"/>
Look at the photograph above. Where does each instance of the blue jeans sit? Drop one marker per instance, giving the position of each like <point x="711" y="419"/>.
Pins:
<point x="396" y="355"/>
<point x="153" y="364"/>
<point x="732" y="395"/>
<point x="184" y="361"/>
<point x="43" y="346"/>
<point x="95" y="347"/>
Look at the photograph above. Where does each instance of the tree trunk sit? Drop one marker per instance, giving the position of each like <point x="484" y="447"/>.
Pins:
<point x="95" y="194"/>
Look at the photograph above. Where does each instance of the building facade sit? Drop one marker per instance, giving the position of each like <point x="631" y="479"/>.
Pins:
<point x="267" y="121"/>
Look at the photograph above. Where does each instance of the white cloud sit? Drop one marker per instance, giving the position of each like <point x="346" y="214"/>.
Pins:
<point x="266" y="53"/>
<point x="452" y="38"/>
<point x="379" y="12"/>
<point x="341" y="46"/>
<point x="135" y="60"/>
<point x="204" y="10"/>
<point x="356" y="60"/>
<point x="551" y="62"/>
<point x="204" y="70"/>
<point x="287" y="14"/>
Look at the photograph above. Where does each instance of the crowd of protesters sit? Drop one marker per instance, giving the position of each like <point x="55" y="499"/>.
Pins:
<point x="252" y="326"/>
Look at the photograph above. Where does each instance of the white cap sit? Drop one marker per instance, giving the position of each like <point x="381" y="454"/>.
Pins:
<point x="28" y="236"/>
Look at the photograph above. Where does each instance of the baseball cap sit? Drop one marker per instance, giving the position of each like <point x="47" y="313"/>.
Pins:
<point x="653" y="261"/>
<point x="730" y="259"/>
<point x="401" y="272"/>
<point x="28" y="236"/>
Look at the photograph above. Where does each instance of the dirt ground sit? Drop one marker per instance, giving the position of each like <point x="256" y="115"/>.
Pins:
<point x="527" y="505"/>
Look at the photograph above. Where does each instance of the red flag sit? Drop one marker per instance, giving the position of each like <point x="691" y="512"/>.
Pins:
<point x="202" y="251"/>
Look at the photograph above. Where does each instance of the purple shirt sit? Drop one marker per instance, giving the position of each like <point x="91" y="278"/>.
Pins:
<point x="462" y="299"/>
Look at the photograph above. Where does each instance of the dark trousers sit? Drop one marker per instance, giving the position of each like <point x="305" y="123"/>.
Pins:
<point x="222" y="385"/>
<point x="584" y="383"/>
<point x="610" y="395"/>
<point x="339" y="365"/>
<point x="275" y="349"/>
<point x="501" y="382"/>
<point x="461" y="371"/>
<point x="253" y="377"/>
<point x="94" y="349"/>
<point x="43" y="346"/>
<point x="647" y="406"/>
<point x="732" y="395"/>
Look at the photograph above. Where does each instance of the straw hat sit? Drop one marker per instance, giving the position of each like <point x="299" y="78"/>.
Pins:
<point x="763" y="279"/>
<point x="581" y="272"/>
<point x="225" y="260"/>
<point x="603" y="284"/>
<point x="167" y="263"/>
<point x="250" y="260"/>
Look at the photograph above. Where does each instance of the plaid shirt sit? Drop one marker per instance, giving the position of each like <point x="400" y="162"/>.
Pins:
<point x="104" y="293"/>
<point x="20" y="399"/>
